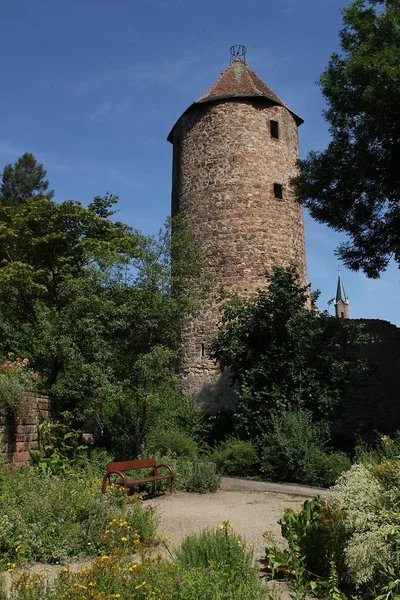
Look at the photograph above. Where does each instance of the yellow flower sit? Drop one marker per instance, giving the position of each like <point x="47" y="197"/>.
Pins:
<point x="18" y="548"/>
<point x="124" y="539"/>
<point x="140" y="585"/>
<point x="65" y="570"/>
<point x="103" y="558"/>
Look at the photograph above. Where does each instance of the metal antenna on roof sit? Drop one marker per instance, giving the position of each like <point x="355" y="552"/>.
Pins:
<point x="238" y="52"/>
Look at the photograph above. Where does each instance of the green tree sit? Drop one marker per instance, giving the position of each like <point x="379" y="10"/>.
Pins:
<point x="354" y="185"/>
<point x="25" y="179"/>
<point x="96" y="308"/>
<point x="284" y="354"/>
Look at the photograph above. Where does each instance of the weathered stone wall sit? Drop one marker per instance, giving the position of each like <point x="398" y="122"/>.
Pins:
<point x="21" y="433"/>
<point x="375" y="405"/>
<point x="224" y="166"/>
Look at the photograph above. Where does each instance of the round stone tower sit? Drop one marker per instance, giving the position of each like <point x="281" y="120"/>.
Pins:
<point x="234" y="153"/>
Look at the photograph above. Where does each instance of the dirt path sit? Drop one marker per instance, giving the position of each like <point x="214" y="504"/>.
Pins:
<point x="249" y="505"/>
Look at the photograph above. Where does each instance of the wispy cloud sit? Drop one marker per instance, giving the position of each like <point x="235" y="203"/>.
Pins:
<point x="164" y="73"/>
<point x="14" y="152"/>
<point x="7" y="149"/>
<point x="109" y="111"/>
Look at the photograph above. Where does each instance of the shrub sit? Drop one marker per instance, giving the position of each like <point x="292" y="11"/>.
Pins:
<point x="330" y="466"/>
<point x="372" y="519"/>
<point x="235" y="457"/>
<point x="193" y="475"/>
<point x="292" y="450"/>
<point x="215" y="546"/>
<point x="49" y="518"/>
<point x="318" y="534"/>
<point x="174" y="442"/>
<point x="15" y="378"/>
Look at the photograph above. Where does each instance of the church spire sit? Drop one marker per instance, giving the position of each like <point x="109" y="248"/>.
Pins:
<point x="341" y="300"/>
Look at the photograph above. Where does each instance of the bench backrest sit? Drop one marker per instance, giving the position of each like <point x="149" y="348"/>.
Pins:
<point x="129" y="465"/>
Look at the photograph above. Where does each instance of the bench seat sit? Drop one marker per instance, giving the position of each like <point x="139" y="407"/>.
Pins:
<point x="119" y="468"/>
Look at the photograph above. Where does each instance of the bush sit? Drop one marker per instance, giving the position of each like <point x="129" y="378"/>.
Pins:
<point x="235" y="458"/>
<point x="193" y="474"/>
<point x="331" y="466"/>
<point x="317" y="533"/>
<point x="220" y="546"/>
<point x="296" y="449"/>
<point x="174" y="442"/>
<point x="49" y="518"/>
<point x="370" y="501"/>
<point x="15" y="379"/>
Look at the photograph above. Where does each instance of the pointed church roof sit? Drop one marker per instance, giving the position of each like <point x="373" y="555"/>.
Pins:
<point x="239" y="81"/>
<point x="340" y="293"/>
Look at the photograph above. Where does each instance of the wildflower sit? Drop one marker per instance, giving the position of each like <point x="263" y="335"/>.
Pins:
<point x="124" y="539"/>
<point x="18" y="548"/>
<point x="140" y="585"/>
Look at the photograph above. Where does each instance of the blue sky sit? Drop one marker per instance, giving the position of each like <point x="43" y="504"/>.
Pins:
<point x="92" y="88"/>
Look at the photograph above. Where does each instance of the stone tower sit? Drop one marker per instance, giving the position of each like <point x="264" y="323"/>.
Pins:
<point x="341" y="300"/>
<point x="234" y="152"/>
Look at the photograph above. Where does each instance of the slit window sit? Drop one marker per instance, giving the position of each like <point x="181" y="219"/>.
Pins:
<point x="274" y="128"/>
<point x="278" y="190"/>
<point x="203" y="350"/>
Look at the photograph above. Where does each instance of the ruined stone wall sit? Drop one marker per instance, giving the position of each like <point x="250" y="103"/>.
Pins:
<point x="224" y="168"/>
<point x="21" y="433"/>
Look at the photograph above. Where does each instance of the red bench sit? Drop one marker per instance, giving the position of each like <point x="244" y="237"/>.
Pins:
<point x="118" y="468"/>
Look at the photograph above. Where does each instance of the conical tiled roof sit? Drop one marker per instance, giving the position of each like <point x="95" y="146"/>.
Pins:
<point x="239" y="81"/>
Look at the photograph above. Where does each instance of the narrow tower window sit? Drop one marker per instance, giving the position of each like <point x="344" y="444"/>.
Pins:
<point x="278" y="190"/>
<point x="203" y="350"/>
<point x="274" y="128"/>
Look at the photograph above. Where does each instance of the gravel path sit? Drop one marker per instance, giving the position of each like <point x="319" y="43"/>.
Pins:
<point x="251" y="506"/>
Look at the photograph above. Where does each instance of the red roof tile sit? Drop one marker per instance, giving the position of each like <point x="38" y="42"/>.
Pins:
<point x="239" y="81"/>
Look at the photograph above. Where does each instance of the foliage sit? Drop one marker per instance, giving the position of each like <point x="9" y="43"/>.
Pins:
<point x="350" y="545"/>
<point x="193" y="474"/>
<point x="15" y="379"/>
<point x="285" y="354"/>
<point x="147" y="574"/>
<point x="48" y="518"/>
<point x="354" y="185"/>
<point x="61" y="450"/>
<point x="371" y="500"/>
<point x="173" y="442"/>
<point x="235" y="457"/>
<point x="96" y="306"/>
<point x="25" y="179"/>
<point x="316" y="538"/>
<point x="320" y="532"/>
<point x="222" y="547"/>
<point x="296" y="448"/>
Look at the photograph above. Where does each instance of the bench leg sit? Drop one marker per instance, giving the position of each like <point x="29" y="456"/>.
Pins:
<point x="153" y="488"/>
<point x="172" y="487"/>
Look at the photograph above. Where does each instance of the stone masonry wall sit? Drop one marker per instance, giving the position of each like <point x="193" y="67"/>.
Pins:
<point x="374" y="406"/>
<point x="20" y="434"/>
<point x="224" y="167"/>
